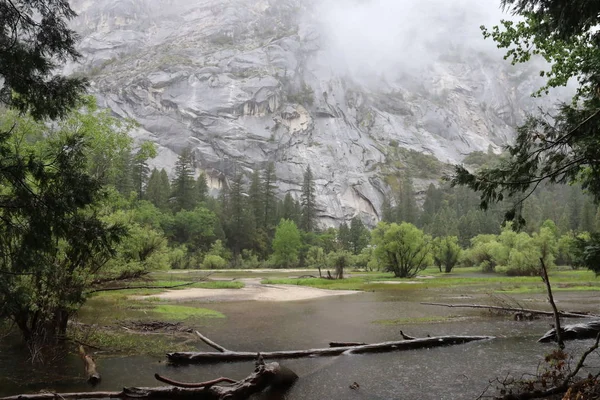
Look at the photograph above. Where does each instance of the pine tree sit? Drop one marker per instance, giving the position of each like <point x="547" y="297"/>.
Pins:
<point x="359" y="235"/>
<point x="124" y="180"/>
<point x="184" y="191"/>
<point x="256" y="200"/>
<point x="290" y="208"/>
<point x="201" y="188"/>
<point x="344" y="236"/>
<point x="309" y="207"/>
<point x="139" y="167"/>
<point x="239" y="223"/>
<point x="158" y="189"/>
<point x="387" y="211"/>
<point x="406" y="210"/>
<point x="270" y="201"/>
<point x="431" y="205"/>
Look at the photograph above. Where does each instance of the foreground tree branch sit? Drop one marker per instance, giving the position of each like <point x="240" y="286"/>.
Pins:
<point x="510" y="309"/>
<point x="265" y="375"/>
<point x="559" y="340"/>
<point x="224" y="356"/>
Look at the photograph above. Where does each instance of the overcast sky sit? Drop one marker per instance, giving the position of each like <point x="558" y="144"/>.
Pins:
<point x="381" y="36"/>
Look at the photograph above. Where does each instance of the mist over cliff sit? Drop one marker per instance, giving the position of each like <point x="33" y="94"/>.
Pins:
<point x="362" y="91"/>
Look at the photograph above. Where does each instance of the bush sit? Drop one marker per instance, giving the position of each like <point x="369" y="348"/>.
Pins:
<point x="212" y="261"/>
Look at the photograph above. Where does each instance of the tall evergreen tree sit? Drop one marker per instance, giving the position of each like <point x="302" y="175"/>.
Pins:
<point x="140" y="169"/>
<point x="270" y="201"/>
<point x="183" y="186"/>
<point x="124" y="180"/>
<point x="309" y="206"/>
<point x="387" y="211"/>
<point x="406" y="209"/>
<point x="158" y="189"/>
<point x="238" y="220"/>
<point x="289" y="209"/>
<point x="256" y="200"/>
<point x="201" y="188"/>
<point x="343" y="236"/>
<point x="359" y="235"/>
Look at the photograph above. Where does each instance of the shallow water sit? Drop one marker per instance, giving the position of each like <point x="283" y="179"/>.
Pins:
<point x="457" y="372"/>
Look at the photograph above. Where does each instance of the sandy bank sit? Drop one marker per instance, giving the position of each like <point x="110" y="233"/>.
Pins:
<point x="253" y="290"/>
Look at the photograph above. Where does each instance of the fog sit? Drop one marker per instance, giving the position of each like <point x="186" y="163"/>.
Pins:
<point x="375" y="37"/>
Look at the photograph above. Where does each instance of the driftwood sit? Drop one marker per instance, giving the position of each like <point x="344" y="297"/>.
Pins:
<point x="563" y="314"/>
<point x="224" y="356"/>
<point x="264" y="376"/>
<point x="346" y="344"/>
<point x="92" y="374"/>
<point x="586" y="330"/>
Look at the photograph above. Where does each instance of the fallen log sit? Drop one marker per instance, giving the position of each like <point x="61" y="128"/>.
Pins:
<point x="510" y="309"/>
<point x="346" y="344"/>
<point x="92" y="374"/>
<point x="209" y="357"/>
<point x="264" y="376"/>
<point x="585" y="330"/>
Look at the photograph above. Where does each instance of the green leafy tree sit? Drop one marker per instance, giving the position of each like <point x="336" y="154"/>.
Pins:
<point x="286" y="244"/>
<point x="402" y="249"/>
<point x="316" y="258"/>
<point x="183" y="186"/>
<point x="339" y="261"/>
<point x="52" y="242"/>
<point x="309" y="205"/>
<point x="195" y="228"/>
<point x="446" y="252"/>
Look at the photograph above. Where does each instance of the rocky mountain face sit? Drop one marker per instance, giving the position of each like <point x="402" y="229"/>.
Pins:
<point x="245" y="82"/>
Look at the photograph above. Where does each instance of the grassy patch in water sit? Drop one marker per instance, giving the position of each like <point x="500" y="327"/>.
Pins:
<point x="114" y="341"/>
<point x="334" y="284"/>
<point x="177" y="312"/>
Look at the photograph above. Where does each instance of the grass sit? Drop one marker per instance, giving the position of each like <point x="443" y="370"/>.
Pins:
<point x="460" y="278"/>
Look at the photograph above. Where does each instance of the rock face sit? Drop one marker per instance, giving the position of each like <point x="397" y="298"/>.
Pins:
<point x="245" y="82"/>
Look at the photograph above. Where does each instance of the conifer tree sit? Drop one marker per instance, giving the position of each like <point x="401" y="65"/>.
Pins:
<point x="309" y="207"/>
<point x="201" y="188"/>
<point x="158" y="189"/>
<point x="184" y="191"/>
<point x="256" y="200"/>
<point x="343" y="236"/>
<point x="270" y="201"/>
<point x="359" y="235"/>
<point x="140" y="169"/>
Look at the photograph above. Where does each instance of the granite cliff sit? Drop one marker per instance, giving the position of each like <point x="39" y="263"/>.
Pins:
<point x="245" y="82"/>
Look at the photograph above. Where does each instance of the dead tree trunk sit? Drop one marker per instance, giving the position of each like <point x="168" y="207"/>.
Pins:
<point x="223" y="356"/>
<point x="509" y="309"/>
<point x="265" y="375"/>
<point x="91" y="373"/>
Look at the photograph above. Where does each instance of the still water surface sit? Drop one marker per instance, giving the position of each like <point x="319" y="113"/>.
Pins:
<point x="457" y="372"/>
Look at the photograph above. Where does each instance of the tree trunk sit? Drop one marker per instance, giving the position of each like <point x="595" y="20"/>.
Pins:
<point x="429" y="342"/>
<point x="264" y="376"/>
